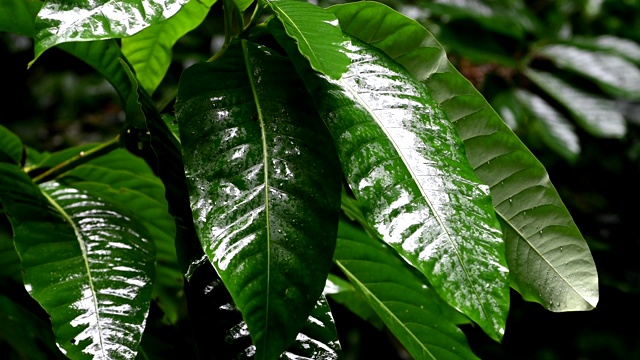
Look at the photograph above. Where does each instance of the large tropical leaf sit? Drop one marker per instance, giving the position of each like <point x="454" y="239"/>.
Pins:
<point x="88" y="262"/>
<point x="406" y="166"/>
<point x="414" y="313"/>
<point x="550" y="125"/>
<point x="535" y="222"/>
<point x="10" y="146"/>
<point x="626" y="48"/>
<point x="61" y="21"/>
<point x="264" y="185"/>
<point x="614" y="74"/>
<point x="149" y="51"/>
<point x="342" y="292"/>
<point x="597" y="115"/>
<point x="316" y="32"/>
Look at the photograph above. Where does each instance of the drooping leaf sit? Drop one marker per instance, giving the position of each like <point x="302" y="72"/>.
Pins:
<point x="316" y="32"/>
<point x="264" y="187"/>
<point x="414" y="313"/>
<point x="88" y="262"/>
<point x="149" y="51"/>
<point x="10" y="146"/>
<point x="61" y="21"/>
<point x="597" y="115"/>
<point x="525" y="200"/>
<point x="342" y="292"/>
<point x="406" y="166"/>
<point x="614" y="74"/>
<point x="17" y="16"/>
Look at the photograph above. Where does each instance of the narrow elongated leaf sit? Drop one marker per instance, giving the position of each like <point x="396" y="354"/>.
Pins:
<point x="414" y="313"/>
<point x="149" y="51"/>
<point x="88" y="263"/>
<point x="316" y="32"/>
<point x="61" y="21"/>
<point x="615" y="75"/>
<point x="10" y="146"/>
<point x="264" y="185"/>
<point x="554" y="129"/>
<point x="17" y="16"/>
<point x="535" y="223"/>
<point x="406" y="166"/>
<point x="625" y="48"/>
<point x="595" y="114"/>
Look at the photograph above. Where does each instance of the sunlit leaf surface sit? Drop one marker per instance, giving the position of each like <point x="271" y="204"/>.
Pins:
<point x="626" y="48"/>
<point x="597" y="115"/>
<point x="149" y="51"/>
<point x="535" y="222"/>
<point x="62" y="21"/>
<point x="316" y="32"/>
<point x="412" y="310"/>
<point x="615" y="75"/>
<point x="406" y="165"/>
<point x="88" y="262"/>
<point x="264" y="185"/>
<point x="554" y="129"/>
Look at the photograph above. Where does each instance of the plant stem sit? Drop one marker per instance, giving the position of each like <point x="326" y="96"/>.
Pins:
<point x="81" y="158"/>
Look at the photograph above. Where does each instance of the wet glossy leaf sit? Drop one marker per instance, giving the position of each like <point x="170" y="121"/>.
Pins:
<point x="89" y="264"/>
<point x="525" y="200"/>
<point x="552" y="127"/>
<point x="615" y="75"/>
<point x="149" y="51"/>
<point x="414" y="313"/>
<point x="597" y="115"/>
<point x="61" y="21"/>
<point x="264" y="187"/>
<point x="406" y="166"/>
<point x="17" y="16"/>
<point x="10" y="146"/>
<point x="122" y="178"/>
<point x="316" y="32"/>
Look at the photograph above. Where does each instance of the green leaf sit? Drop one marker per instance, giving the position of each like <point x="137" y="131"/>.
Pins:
<point x="406" y="166"/>
<point x="614" y="45"/>
<point x="149" y="51"/>
<point x="264" y="185"/>
<point x="143" y="193"/>
<point x="524" y="198"/>
<point x="17" y="16"/>
<point x="61" y="21"/>
<point x="10" y="146"/>
<point x="554" y="129"/>
<point x="595" y="114"/>
<point x="414" y="313"/>
<point x="9" y="260"/>
<point x="615" y="75"/>
<point x="317" y="34"/>
<point x="342" y="292"/>
<point x="89" y="263"/>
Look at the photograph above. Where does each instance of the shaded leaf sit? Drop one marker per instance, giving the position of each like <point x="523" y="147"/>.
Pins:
<point x="595" y="114"/>
<point x="9" y="260"/>
<point x="414" y="313"/>
<point x="317" y="33"/>
<point x="149" y="51"/>
<point x="264" y="187"/>
<point x="615" y="75"/>
<point x="342" y="292"/>
<point x="88" y="263"/>
<point x="406" y="166"/>
<point x="10" y="146"/>
<point x="554" y="129"/>
<point x="17" y="16"/>
<point x="525" y="200"/>
<point x="61" y="21"/>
